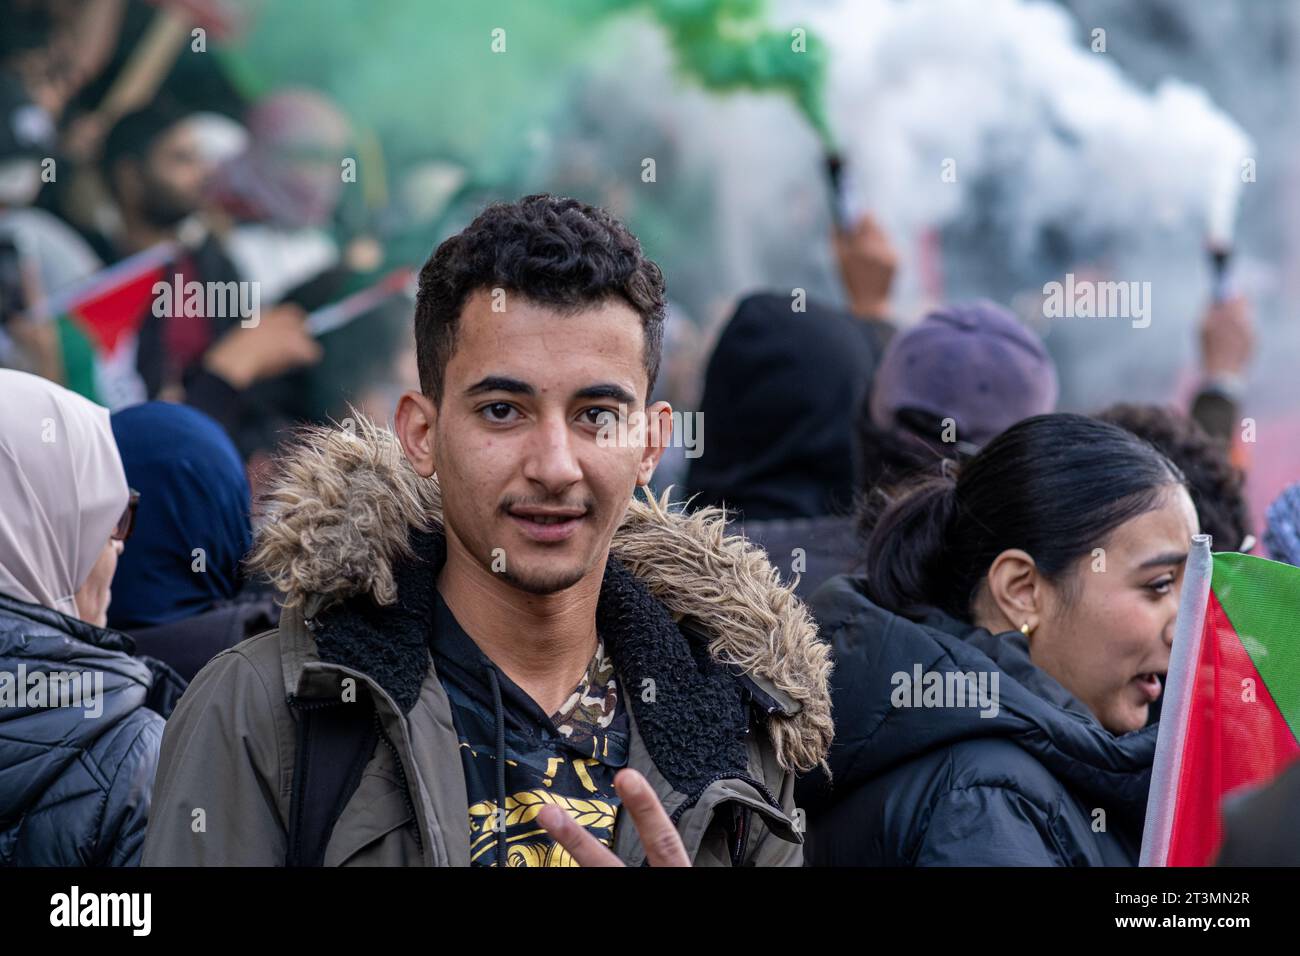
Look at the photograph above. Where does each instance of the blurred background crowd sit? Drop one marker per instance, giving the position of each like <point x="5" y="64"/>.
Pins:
<point x="995" y="148"/>
<point x="834" y="336"/>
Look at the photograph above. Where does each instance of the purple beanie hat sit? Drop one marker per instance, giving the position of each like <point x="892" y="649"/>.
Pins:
<point x="975" y="363"/>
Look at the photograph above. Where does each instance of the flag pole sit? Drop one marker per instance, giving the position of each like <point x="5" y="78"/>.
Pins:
<point x="340" y="313"/>
<point x="1180" y="682"/>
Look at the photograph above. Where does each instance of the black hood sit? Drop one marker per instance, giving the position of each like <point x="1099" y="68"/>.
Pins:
<point x="871" y="645"/>
<point x="780" y="395"/>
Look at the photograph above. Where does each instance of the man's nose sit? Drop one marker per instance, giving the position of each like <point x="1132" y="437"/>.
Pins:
<point x="551" y="461"/>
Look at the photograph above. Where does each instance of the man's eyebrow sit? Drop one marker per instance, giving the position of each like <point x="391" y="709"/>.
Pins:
<point x="1169" y="557"/>
<point x="500" y="383"/>
<point x="606" y="390"/>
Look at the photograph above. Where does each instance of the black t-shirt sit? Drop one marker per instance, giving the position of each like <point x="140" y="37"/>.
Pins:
<point x="568" y="758"/>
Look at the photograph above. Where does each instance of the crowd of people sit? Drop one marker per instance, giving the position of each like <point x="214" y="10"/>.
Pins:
<point x="468" y="628"/>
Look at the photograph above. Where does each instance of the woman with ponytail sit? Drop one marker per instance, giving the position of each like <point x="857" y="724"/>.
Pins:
<point x="997" y="658"/>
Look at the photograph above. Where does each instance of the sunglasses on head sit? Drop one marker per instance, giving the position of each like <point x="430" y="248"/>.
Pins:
<point x="126" y="523"/>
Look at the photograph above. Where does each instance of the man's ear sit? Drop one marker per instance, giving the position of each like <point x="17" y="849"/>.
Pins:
<point x="1015" y="589"/>
<point x="658" y="432"/>
<point x="414" y="422"/>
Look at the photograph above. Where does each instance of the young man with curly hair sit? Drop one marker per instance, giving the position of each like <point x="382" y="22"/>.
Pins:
<point x="529" y="665"/>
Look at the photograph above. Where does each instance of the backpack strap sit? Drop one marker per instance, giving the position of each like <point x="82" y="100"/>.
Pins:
<point x="335" y="741"/>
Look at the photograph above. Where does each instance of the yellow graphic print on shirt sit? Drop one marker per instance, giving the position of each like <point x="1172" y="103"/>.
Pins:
<point x="559" y="773"/>
<point x="527" y="843"/>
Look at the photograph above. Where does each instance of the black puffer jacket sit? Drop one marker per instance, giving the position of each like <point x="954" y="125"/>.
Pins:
<point x="1038" y="782"/>
<point x="75" y="781"/>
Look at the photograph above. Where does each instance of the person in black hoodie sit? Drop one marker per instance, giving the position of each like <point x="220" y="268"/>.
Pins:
<point x="779" y="399"/>
<point x="995" y="665"/>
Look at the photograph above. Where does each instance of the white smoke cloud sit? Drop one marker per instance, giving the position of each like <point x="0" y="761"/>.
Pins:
<point x="1013" y="92"/>
<point x="1063" y="160"/>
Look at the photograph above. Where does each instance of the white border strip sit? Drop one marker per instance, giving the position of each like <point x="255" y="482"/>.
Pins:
<point x="1189" y="630"/>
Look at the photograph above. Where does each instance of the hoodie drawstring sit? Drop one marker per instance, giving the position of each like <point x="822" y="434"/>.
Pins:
<point x="501" y="764"/>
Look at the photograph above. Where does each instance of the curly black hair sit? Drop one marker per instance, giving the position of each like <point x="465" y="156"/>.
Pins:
<point x="555" y="252"/>
<point x="1215" y="484"/>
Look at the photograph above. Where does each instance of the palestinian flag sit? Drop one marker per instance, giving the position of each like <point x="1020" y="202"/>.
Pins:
<point x="1231" y="716"/>
<point x="99" y="321"/>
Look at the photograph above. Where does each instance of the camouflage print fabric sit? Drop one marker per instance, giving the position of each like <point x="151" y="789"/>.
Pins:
<point x="568" y="758"/>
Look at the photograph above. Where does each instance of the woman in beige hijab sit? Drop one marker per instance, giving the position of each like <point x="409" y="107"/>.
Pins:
<point x="78" y="745"/>
<point x="64" y="493"/>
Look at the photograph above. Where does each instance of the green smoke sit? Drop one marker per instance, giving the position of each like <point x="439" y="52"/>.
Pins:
<point x="726" y="45"/>
<point x="424" y="77"/>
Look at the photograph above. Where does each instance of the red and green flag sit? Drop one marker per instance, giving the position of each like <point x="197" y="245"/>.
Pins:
<point x="1231" y="715"/>
<point x="99" y="321"/>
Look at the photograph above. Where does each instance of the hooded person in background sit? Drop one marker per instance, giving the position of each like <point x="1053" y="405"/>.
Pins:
<point x="779" y="394"/>
<point x="945" y="387"/>
<point x="278" y="205"/>
<point x="991" y="690"/>
<point x="78" y="744"/>
<point x="179" y="589"/>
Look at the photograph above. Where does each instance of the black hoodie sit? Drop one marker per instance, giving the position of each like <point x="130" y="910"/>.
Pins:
<point x="1033" y="781"/>
<point x="780" y="395"/>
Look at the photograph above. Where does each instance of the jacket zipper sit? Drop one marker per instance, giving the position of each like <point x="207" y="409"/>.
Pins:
<point x="299" y="703"/>
<point x="741" y="842"/>
<point x="401" y="776"/>
<point x="742" y="815"/>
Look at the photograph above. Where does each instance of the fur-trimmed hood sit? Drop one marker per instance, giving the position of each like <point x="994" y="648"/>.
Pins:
<point x="346" y="507"/>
